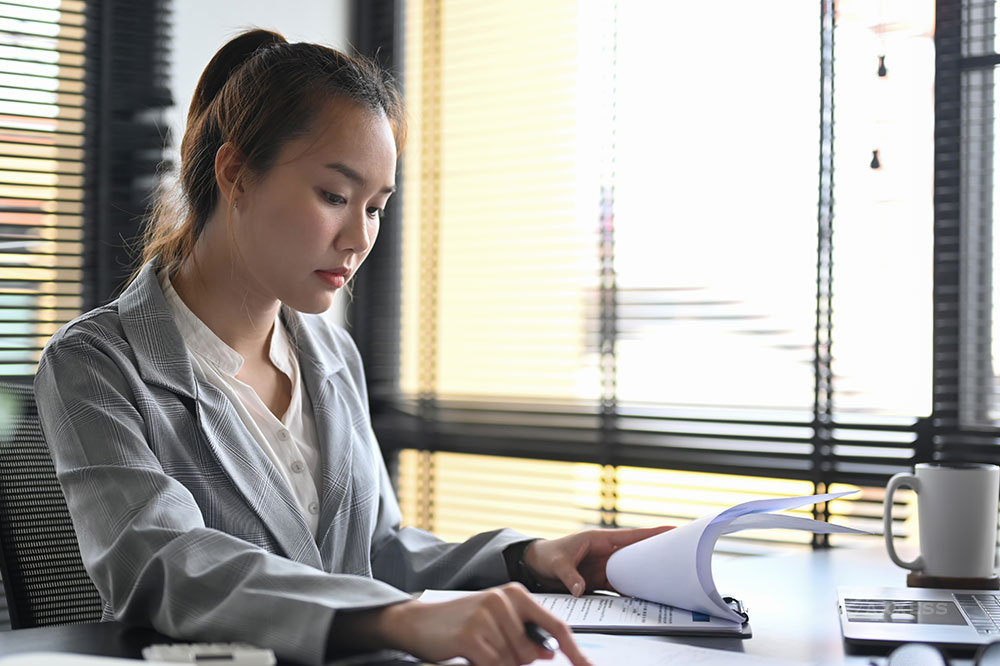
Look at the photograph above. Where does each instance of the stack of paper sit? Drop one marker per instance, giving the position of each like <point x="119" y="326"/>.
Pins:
<point x="675" y="568"/>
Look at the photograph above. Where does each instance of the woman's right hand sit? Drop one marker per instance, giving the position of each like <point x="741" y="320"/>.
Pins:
<point x="487" y="628"/>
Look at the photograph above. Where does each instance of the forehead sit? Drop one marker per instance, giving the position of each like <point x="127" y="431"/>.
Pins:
<point x="344" y="130"/>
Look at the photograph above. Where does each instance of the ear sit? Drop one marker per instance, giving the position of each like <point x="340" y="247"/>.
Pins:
<point x="228" y="169"/>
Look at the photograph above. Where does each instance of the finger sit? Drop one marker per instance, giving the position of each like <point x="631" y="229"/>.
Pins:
<point x="565" y="565"/>
<point x="520" y="645"/>
<point x="570" y="577"/>
<point x="510" y="623"/>
<point x="567" y="645"/>
<point x="534" y="612"/>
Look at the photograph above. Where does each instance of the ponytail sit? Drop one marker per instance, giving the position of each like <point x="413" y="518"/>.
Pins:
<point x="228" y="59"/>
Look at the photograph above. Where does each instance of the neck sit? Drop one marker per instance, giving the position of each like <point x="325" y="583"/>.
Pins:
<point x="217" y="287"/>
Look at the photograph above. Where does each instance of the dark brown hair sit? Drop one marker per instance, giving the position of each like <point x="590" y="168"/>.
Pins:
<point x="258" y="93"/>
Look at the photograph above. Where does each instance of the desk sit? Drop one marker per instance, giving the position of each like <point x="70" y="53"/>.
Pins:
<point x="792" y="600"/>
<point x="109" y="639"/>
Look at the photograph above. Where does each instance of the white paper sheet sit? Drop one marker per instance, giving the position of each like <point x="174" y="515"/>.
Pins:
<point x="609" y="650"/>
<point x="675" y="568"/>
<point x="615" y="614"/>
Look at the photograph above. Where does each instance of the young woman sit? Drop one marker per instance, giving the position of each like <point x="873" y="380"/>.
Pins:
<point x="211" y="431"/>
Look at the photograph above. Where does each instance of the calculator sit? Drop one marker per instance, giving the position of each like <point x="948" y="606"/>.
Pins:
<point x="217" y="654"/>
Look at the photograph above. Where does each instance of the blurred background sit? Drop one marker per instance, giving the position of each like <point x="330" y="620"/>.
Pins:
<point x="648" y="258"/>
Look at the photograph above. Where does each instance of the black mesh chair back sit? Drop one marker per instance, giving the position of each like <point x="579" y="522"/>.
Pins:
<point x="43" y="575"/>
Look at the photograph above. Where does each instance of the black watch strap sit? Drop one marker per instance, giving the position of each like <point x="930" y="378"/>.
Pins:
<point x="517" y="568"/>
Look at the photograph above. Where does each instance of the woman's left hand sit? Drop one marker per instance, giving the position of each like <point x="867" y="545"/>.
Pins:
<point x="577" y="562"/>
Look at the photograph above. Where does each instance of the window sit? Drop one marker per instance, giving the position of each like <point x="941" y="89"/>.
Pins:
<point x="646" y="253"/>
<point x="78" y="158"/>
<point x="42" y="88"/>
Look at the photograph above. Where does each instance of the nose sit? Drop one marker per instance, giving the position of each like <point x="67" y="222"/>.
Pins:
<point x="358" y="232"/>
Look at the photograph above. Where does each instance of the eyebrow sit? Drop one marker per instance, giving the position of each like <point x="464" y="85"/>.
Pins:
<point x="353" y="175"/>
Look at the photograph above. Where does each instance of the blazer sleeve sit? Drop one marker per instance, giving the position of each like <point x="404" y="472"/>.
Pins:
<point x="413" y="559"/>
<point x="142" y="536"/>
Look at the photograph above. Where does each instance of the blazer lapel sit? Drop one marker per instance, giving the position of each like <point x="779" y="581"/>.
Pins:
<point x="162" y="359"/>
<point x="337" y="482"/>
<point x="349" y="481"/>
<point x="255" y="476"/>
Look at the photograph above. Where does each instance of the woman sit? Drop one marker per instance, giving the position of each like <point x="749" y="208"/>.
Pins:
<point x="211" y="431"/>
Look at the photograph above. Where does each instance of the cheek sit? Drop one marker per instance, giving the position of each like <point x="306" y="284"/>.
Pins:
<point x="302" y="225"/>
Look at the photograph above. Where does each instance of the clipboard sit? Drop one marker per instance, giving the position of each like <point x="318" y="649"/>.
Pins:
<point x="612" y="614"/>
<point x="737" y="606"/>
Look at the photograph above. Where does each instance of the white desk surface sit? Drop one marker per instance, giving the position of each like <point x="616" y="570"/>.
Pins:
<point x="791" y="598"/>
<point x="792" y="601"/>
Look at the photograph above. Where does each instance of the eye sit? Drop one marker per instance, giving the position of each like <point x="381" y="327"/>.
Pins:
<point x="375" y="213"/>
<point x="334" y="198"/>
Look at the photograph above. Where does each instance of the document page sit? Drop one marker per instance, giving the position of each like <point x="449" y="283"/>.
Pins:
<point x="620" y="615"/>
<point x="675" y="567"/>
<point x="672" y="570"/>
<point x="611" y="614"/>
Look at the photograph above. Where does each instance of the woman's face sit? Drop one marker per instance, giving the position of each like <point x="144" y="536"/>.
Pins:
<point x="304" y="227"/>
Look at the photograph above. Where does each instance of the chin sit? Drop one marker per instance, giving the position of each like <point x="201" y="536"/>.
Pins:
<point x="318" y="304"/>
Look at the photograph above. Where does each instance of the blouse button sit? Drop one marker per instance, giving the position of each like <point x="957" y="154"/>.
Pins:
<point x="298" y="466"/>
<point x="283" y="435"/>
<point x="313" y="508"/>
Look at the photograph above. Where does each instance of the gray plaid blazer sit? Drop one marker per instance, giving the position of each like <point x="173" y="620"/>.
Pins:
<point x="183" y="522"/>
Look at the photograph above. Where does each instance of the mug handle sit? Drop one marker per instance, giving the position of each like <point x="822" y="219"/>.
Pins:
<point x="895" y="482"/>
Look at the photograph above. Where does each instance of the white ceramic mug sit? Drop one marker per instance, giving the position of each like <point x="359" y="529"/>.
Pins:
<point x="957" y="518"/>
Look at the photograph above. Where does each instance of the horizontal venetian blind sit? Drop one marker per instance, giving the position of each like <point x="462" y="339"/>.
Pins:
<point x="42" y="93"/>
<point x="977" y="317"/>
<point x="458" y="495"/>
<point x="500" y="278"/>
<point x="600" y="274"/>
<point x="555" y="300"/>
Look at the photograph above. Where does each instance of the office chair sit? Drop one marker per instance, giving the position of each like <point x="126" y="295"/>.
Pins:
<point x="43" y="575"/>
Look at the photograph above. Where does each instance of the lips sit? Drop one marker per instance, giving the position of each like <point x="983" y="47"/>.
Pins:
<point x="336" y="278"/>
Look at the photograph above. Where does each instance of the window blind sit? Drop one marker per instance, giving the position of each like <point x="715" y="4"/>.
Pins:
<point x="128" y="50"/>
<point x="81" y="87"/>
<point x="620" y="255"/>
<point x="42" y="99"/>
<point x="972" y="59"/>
<point x="965" y="289"/>
<point x="457" y="495"/>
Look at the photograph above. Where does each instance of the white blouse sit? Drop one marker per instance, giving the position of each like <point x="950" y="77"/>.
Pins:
<point x="291" y="443"/>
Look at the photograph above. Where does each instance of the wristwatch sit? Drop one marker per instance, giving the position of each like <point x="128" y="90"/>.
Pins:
<point x="517" y="569"/>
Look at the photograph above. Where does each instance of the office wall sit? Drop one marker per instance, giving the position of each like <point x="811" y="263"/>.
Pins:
<point x="201" y="27"/>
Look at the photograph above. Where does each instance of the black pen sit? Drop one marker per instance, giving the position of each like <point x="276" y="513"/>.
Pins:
<point x="541" y="637"/>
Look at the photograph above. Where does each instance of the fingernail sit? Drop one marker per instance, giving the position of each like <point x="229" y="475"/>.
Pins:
<point x="576" y="589"/>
